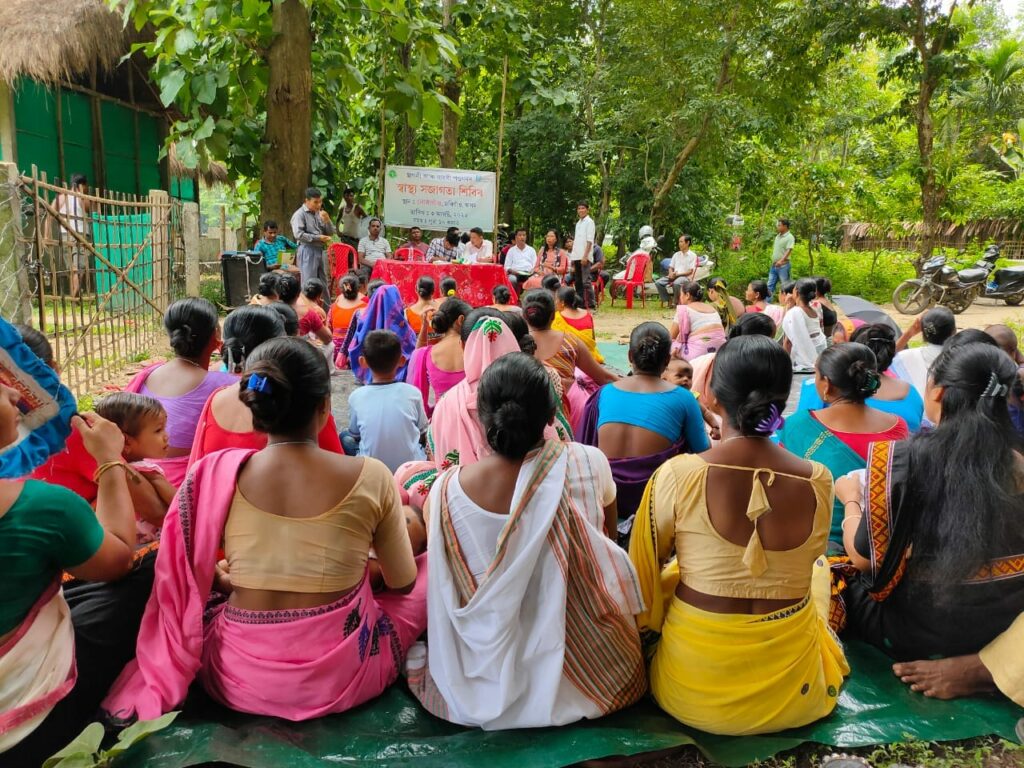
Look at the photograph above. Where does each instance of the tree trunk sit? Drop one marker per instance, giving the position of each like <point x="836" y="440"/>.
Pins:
<point x="452" y="89"/>
<point x="405" y="136"/>
<point x="286" y="167"/>
<point x="508" y="179"/>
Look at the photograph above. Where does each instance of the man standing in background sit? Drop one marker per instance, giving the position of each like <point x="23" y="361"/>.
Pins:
<point x="582" y="253"/>
<point x="352" y="215"/>
<point x="781" y="250"/>
<point x="73" y="209"/>
<point x="312" y="228"/>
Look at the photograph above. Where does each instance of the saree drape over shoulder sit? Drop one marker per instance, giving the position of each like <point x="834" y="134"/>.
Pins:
<point x="897" y="607"/>
<point x="547" y="636"/>
<point x="294" y="664"/>
<point x="733" y="674"/>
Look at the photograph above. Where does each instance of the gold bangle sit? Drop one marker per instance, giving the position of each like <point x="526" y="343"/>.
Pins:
<point x="130" y="474"/>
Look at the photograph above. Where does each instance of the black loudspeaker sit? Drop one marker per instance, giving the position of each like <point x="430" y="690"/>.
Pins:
<point x="241" y="273"/>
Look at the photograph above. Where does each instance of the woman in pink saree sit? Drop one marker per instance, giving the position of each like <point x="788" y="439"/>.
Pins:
<point x="301" y="634"/>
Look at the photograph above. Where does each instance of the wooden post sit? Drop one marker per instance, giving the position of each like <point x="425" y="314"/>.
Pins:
<point x="14" y="300"/>
<point x="190" y="234"/>
<point x="160" y="220"/>
<point x="501" y="137"/>
<point x="383" y="148"/>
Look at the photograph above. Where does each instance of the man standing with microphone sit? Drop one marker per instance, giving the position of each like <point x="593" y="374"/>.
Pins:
<point x="312" y="228"/>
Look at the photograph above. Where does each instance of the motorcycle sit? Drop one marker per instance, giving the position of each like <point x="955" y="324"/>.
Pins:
<point x="943" y="285"/>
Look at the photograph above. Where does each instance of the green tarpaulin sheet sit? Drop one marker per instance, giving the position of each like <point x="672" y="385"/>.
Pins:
<point x="874" y="708"/>
<point x="616" y="356"/>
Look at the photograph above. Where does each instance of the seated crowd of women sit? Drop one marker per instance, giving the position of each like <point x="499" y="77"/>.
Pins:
<point x="517" y="576"/>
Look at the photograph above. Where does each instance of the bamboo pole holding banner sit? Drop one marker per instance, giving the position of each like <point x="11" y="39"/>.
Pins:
<point x="501" y="136"/>
<point x="379" y="213"/>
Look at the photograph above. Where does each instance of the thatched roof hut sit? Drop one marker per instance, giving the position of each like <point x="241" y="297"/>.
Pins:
<point x="60" y="40"/>
<point x="216" y="173"/>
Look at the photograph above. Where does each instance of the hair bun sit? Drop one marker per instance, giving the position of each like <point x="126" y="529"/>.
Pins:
<point x="760" y="408"/>
<point x="865" y="378"/>
<point x="507" y="431"/>
<point x="270" y="404"/>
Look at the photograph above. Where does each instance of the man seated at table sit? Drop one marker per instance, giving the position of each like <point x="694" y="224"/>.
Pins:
<point x="478" y="250"/>
<point x="414" y="249"/>
<point x="445" y="248"/>
<point x="373" y="247"/>
<point x="520" y="261"/>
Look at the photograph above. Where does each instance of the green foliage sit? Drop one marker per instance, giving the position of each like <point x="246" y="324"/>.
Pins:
<point x="85" y="750"/>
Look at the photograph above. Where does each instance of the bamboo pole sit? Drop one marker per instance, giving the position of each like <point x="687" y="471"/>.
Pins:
<point x="501" y="137"/>
<point x="383" y="147"/>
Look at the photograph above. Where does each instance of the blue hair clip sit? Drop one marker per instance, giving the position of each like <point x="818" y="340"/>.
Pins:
<point x="258" y="383"/>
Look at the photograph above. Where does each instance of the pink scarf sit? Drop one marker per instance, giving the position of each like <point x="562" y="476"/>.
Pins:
<point x="295" y="664"/>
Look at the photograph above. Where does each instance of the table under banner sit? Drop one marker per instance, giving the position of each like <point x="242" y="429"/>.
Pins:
<point x="476" y="281"/>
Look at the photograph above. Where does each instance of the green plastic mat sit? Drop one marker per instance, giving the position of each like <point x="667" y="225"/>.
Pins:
<point x="615" y="355"/>
<point x="874" y="708"/>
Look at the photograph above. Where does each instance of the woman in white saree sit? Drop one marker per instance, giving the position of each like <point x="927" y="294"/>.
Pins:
<point x="530" y="602"/>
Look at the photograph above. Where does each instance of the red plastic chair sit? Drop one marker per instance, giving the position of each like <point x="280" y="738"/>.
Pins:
<point x="342" y="258"/>
<point x="636" y="271"/>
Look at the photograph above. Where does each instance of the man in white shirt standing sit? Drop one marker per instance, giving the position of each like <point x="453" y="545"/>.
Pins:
<point x="520" y="261"/>
<point x="373" y="247"/>
<point x="582" y="253"/>
<point x="681" y="270"/>
<point x="478" y="250"/>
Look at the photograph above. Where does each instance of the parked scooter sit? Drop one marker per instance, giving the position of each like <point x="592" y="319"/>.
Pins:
<point x="946" y="286"/>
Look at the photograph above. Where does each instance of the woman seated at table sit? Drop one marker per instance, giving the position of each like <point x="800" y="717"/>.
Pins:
<point x="562" y="351"/>
<point x="838" y="435"/>
<point x="225" y="422"/>
<point x="743" y="648"/>
<point x="962" y="588"/>
<point x="302" y="634"/>
<point x="439" y="367"/>
<point x="520" y="639"/>
<point x="502" y="300"/>
<point x="310" y="322"/>
<point x="641" y="421"/>
<point x="385" y="311"/>
<point x="803" y="336"/>
<point x="893" y="396"/>
<point x="553" y="260"/>
<point x="344" y="309"/>
<point x="424" y="304"/>
<point x="697" y="328"/>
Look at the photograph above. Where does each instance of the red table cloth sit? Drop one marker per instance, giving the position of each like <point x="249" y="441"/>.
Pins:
<point x="476" y="281"/>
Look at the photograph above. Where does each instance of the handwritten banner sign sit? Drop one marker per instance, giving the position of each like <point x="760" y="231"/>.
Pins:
<point x="438" y="198"/>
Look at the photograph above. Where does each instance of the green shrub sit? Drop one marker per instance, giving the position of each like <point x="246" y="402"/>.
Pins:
<point x="212" y="289"/>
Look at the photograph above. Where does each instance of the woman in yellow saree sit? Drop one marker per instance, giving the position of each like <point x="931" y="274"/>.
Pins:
<point x="741" y="643"/>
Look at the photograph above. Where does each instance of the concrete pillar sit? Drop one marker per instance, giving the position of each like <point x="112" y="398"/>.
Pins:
<point x="190" y="233"/>
<point x="161" y="217"/>
<point x="15" y="304"/>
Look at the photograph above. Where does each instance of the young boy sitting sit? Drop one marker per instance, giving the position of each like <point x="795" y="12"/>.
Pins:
<point x="270" y="248"/>
<point x="680" y="373"/>
<point x="143" y="422"/>
<point x="386" y="417"/>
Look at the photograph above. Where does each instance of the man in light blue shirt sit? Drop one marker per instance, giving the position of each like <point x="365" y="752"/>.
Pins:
<point x="781" y="250"/>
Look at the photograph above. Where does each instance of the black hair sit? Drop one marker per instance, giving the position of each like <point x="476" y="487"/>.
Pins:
<point x="544" y="245"/>
<point x="451" y="231"/>
<point x="372" y="286"/>
<point x="288" y="315"/>
<point x="787" y="287"/>
<point x="515" y="402"/>
<point x="288" y="287"/>
<point x="78" y="178"/>
<point x="244" y="330"/>
<point x="269" y="224"/>
<point x="312" y="193"/>
<point x="823" y="285"/>
<point x="382" y="350"/>
<point x="694" y="290"/>
<point x="425" y="287"/>
<point x="449" y="284"/>
<point x="539" y="309"/>
<point x="567" y="295"/>
<point x="969" y="336"/>
<point x="36" y="341"/>
<point x="418" y="229"/>
<point x="760" y="289"/>
<point x="464" y="237"/>
<point x="880" y="338"/>
<point x="451" y="309"/>
<point x="852" y="369"/>
<point x="688" y="239"/>
<point x="969" y="512"/>
<point x="521" y="229"/>
<point x="314" y="288"/>
<point x="806" y="290"/>
<point x="753" y="324"/>
<point x="650" y="348"/>
<point x="519" y="328"/>
<point x="501" y="294"/>
<point x="551" y="283"/>
<point x="477" y="231"/>
<point x="584" y="203"/>
<point x="268" y="285"/>
<point x="784" y="222"/>
<point x="751" y="378"/>
<point x="348" y="191"/>
<point x="348" y="285"/>
<point x="297" y="381"/>
<point x="190" y="324"/>
<point x="937" y="325"/>
<point x="129" y="410"/>
<point x="452" y="237"/>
